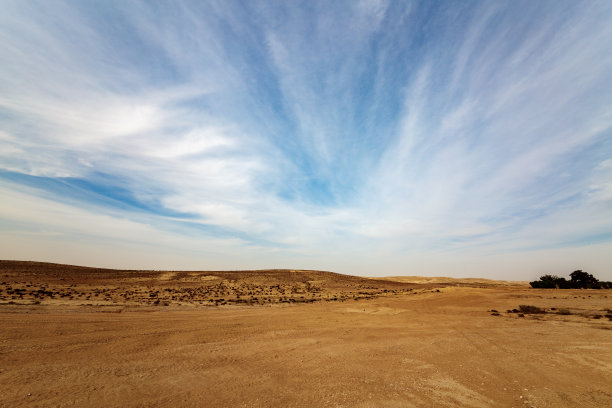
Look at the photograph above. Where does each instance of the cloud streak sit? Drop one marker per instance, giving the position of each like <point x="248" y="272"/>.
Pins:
<point x="344" y="136"/>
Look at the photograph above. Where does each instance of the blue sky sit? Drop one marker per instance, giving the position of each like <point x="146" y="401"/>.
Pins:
<point x="364" y="137"/>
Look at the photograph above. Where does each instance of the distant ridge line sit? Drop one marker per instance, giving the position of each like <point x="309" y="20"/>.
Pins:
<point x="42" y="263"/>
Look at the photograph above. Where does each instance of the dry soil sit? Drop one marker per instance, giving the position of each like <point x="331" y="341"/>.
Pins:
<point x="84" y="337"/>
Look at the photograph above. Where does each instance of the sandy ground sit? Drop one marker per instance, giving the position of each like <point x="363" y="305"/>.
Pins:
<point x="420" y="348"/>
<point x="453" y="281"/>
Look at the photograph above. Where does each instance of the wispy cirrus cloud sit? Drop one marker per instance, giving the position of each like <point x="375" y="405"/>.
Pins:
<point x="311" y="134"/>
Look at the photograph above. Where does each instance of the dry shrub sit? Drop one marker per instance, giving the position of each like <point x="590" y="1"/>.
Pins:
<point x="530" y="309"/>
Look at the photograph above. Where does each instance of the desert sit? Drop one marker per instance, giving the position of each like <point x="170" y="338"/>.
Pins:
<point x="305" y="203"/>
<point x="75" y="336"/>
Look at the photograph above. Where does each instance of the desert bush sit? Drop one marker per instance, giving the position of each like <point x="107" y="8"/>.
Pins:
<point x="529" y="309"/>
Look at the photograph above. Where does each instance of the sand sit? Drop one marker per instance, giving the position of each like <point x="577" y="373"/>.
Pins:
<point x="418" y="346"/>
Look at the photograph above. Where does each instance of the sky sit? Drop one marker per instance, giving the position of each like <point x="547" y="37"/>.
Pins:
<point x="372" y="138"/>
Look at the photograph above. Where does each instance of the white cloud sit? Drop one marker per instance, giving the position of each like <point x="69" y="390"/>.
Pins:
<point x="189" y="111"/>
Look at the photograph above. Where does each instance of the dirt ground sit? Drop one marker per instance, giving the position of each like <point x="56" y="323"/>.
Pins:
<point x="408" y="346"/>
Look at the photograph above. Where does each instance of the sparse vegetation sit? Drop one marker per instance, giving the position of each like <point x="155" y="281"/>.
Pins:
<point x="530" y="309"/>
<point x="65" y="284"/>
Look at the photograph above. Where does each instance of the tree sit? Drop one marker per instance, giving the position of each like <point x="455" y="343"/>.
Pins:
<point x="550" y="282"/>
<point x="580" y="279"/>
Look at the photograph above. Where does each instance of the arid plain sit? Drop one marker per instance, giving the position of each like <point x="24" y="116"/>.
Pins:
<point x="74" y="336"/>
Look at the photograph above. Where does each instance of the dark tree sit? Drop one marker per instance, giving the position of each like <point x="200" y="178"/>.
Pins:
<point x="580" y="279"/>
<point x="550" y="282"/>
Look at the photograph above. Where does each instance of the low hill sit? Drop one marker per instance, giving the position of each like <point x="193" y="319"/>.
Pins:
<point x="38" y="282"/>
<point x="447" y="281"/>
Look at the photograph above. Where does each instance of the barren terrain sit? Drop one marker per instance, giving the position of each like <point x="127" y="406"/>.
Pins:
<point x="73" y="336"/>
